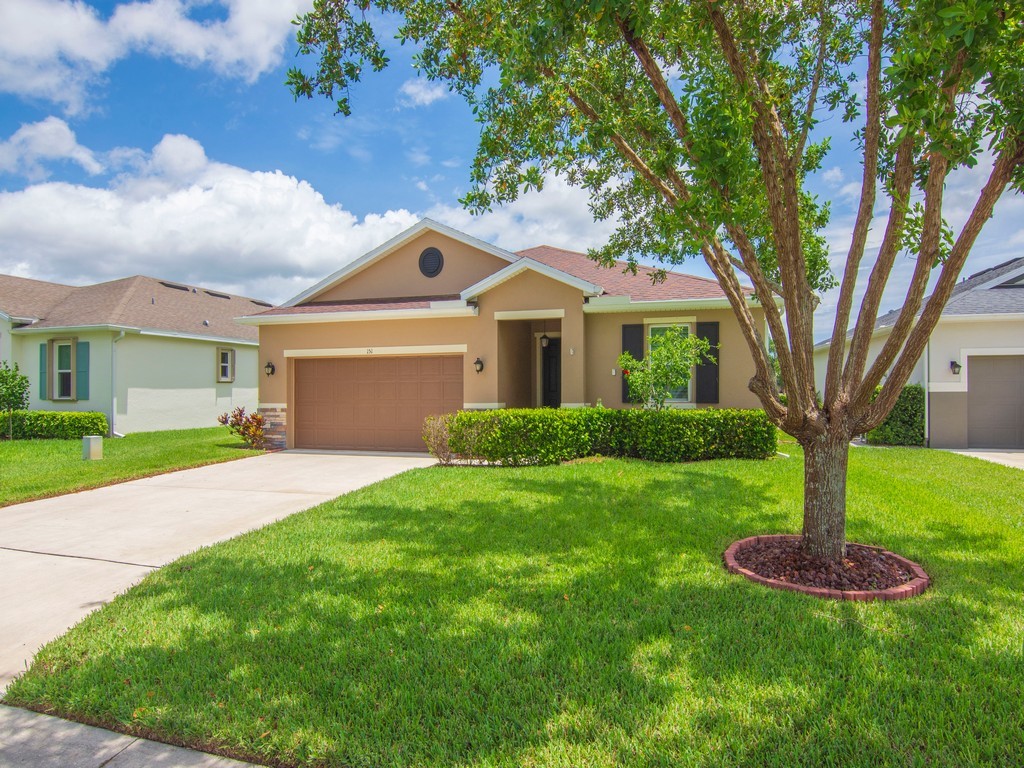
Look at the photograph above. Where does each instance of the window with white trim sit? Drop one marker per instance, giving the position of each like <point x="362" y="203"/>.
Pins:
<point x="682" y="394"/>
<point x="63" y="370"/>
<point x="225" y="365"/>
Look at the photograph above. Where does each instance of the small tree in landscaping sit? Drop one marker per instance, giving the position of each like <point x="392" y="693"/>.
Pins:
<point x="13" y="393"/>
<point x="666" y="368"/>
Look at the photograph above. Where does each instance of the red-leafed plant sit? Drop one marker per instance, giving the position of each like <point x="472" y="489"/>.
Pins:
<point x="248" y="426"/>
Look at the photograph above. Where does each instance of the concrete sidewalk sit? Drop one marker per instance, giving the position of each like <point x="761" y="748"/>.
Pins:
<point x="64" y="557"/>
<point x="28" y="740"/>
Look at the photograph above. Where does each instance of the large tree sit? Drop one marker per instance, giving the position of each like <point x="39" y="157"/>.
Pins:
<point x="696" y="127"/>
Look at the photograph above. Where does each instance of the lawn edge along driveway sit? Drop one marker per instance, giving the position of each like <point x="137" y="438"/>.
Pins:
<point x="64" y="557"/>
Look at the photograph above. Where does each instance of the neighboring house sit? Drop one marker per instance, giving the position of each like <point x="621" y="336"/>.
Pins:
<point x="973" y="367"/>
<point x="150" y="354"/>
<point x="435" y="321"/>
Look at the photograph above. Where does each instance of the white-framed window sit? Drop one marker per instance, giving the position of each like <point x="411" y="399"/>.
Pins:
<point x="63" y="369"/>
<point x="681" y="395"/>
<point x="225" y="364"/>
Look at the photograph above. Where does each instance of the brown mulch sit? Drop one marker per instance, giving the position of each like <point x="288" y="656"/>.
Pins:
<point x="863" y="568"/>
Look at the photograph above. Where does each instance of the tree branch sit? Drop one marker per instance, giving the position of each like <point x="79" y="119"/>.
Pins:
<point x="763" y="384"/>
<point x="865" y="212"/>
<point x="927" y="257"/>
<point x="819" y="67"/>
<point x="928" y="253"/>
<point x="619" y="141"/>
<point x="903" y="178"/>
<point x="1002" y="173"/>
<point x="781" y="188"/>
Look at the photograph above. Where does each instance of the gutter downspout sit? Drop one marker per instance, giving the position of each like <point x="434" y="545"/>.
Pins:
<point x="927" y="392"/>
<point x="113" y="383"/>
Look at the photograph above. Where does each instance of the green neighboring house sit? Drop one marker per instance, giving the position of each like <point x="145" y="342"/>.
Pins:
<point x="150" y="354"/>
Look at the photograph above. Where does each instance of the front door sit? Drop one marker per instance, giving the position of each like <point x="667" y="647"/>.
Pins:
<point x="551" y="374"/>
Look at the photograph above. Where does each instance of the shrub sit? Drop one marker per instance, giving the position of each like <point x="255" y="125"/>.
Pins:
<point x="519" y="436"/>
<point x="248" y="426"/>
<point x="13" y="392"/>
<point x="55" y="425"/>
<point x="435" y="435"/>
<point x="905" y="423"/>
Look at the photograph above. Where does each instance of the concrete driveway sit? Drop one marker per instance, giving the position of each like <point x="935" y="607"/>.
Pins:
<point x="1006" y="457"/>
<point x="64" y="557"/>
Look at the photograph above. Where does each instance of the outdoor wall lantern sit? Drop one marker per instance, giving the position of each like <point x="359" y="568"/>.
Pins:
<point x="269" y="368"/>
<point x="544" y="341"/>
<point x="955" y="367"/>
<point x="478" y="364"/>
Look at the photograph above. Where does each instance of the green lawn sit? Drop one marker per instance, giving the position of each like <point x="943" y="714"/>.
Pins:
<point x="33" y="469"/>
<point x="573" y="616"/>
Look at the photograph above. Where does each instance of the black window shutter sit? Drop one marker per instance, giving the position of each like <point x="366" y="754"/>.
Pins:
<point x="632" y="342"/>
<point x="707" y="372"/>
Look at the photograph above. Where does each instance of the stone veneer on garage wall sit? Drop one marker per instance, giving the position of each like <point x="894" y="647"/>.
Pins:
<point x="275" y="425"/>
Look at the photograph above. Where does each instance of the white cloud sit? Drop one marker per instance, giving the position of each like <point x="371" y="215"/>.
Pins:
<point x="834" y="176"/>
<point x="421" y="93"/>
<point x="49" y="139"/>
<point x="418" y="156"/>
<point x="55" y="49"/>
<point x="174" y="213"/>
<point x="559" y="215"/>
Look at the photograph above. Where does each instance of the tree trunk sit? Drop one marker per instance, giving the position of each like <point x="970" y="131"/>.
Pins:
<point x="825" y="464"/>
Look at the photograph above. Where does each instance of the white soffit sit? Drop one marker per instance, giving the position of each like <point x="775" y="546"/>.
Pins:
<point x="301" y="318"/>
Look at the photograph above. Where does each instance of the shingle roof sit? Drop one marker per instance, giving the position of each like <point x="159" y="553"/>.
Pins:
<point x="24" y="298"/>
<point x="968" y="299"/>
<point x="146" y="303"/>
<point x="618" y="282"/>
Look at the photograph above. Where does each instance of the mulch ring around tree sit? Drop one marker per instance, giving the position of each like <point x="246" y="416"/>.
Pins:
<point x="866" y="573"/>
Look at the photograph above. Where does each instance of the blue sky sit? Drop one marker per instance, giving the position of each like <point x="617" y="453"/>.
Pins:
<point x="158" y="138"/>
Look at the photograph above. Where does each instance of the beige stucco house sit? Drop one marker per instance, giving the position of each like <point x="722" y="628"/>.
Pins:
<point x="434" y="321"/>
<point x="973" y="367"/>
<point x="150" y="354"/>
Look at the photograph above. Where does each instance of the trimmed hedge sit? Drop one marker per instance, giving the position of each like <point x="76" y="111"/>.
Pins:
<point x="905" y="423"/>
<point x="518" y="436"/>
<point x="60" y="425"/>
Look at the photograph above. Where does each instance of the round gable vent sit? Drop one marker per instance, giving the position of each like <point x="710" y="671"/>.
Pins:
<point x="431" y="262"/>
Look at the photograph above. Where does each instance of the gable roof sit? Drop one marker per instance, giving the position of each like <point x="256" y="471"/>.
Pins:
<point x="396" y="242"/>
<point x="997" y="290"/>
<point x="608" y="289"/>
<point x="133" y="303"/>
<point x="523" y="264"/>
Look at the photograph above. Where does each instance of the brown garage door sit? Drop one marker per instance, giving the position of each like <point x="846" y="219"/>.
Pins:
<point x="376" y="403"/>
<point x="995" y="402"/>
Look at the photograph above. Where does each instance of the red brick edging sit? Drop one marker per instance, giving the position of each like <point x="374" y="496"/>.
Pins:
<point x="914" y="587"/>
